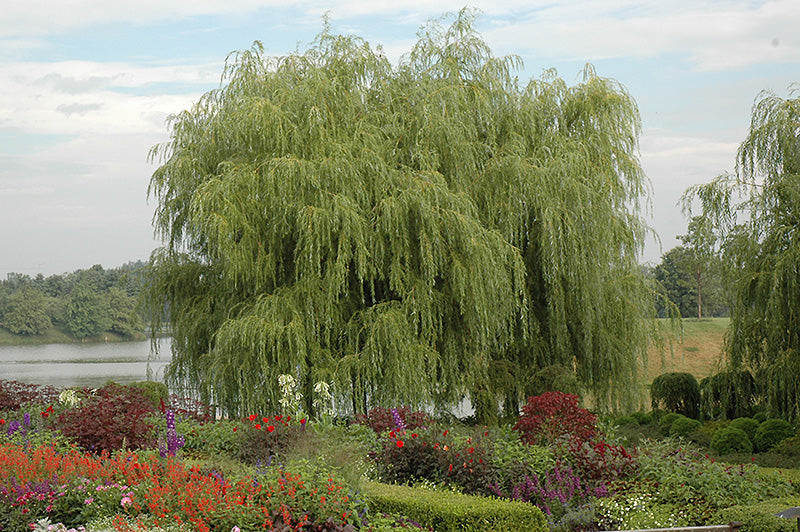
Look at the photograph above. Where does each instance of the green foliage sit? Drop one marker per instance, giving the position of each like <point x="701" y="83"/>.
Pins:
<point x="747" y="424"/>
<point x="643" y="418"/>
<point x="683" y="426"/>
<point x="729" y="394"/>
<point x="26" y="312"/>
<point x="85" y="313"/>
<point x="763" y="249"/>
<point x="686" y="477"/>
<point x="400" y="230"/>
<point x="771" y="432"/>
<point x="450" y="512"/>
<point x="676" y="275"/>
<point x="760" y="517"/>
<point x="553" y="378"/>
<point x="665" y="422"/>
<point x="676" y="392"/>
<point x="731" y="440"/>
<point x="155" y="392"/>
<point x="123" y="318"/>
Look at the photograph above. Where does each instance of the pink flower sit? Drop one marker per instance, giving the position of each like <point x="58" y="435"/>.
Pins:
<point x="126" y="501"/>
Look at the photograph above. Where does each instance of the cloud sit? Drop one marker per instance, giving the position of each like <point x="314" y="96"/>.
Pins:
<point x="712" y="35"/>
<point x="78" y="108"/>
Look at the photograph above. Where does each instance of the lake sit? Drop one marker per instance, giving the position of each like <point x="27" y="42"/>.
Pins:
<point x="91" y="364"/>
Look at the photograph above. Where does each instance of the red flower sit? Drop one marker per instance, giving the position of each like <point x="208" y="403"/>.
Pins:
<point x="270" y="428"/>
<point x="49" y="408"/>
<point x="235" y="429"/>
<point x="414" y="435"/>
<point x="392" y="434"/>
<point x="2" y="421"/>
<point x="252" y="417"/>
<point x="265" y="419"/>
<point x="400" y="444"/>
<point x="45" y="414"/>
<point x="278" y="418"/>
<point x="258" y="426"/>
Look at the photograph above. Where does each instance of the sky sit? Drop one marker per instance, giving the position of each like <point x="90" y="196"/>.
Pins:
<point x="87" y="86"/>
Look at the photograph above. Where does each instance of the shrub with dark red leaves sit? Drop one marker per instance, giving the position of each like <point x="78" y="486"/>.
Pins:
<point x="552" y="416"/>
<point x="383" y="419"/>
<point x="600" y="463"/>
<point x="14" y="394"/>
<point x="110" y="418"/>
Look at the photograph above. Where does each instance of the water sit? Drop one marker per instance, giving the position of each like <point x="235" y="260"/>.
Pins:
<point x="91" y="365"/>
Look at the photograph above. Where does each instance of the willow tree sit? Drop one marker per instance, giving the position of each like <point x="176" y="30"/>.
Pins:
<point x="412" y="233"/>
<point x="762" y="249"/>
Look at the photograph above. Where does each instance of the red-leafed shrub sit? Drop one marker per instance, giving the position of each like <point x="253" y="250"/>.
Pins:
<point x="600" y="463"/>
<point x="110" y="418"/>
<point x="552" y="416"/>
<point x="383" y="419"/>
<point x="14" y="394"/>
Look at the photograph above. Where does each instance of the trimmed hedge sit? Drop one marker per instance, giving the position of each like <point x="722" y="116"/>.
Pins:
<point x="759" y="517"/>
<point x="454" y="512"/>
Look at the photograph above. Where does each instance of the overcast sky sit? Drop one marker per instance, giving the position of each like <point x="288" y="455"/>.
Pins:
<point x="86" y="86"/>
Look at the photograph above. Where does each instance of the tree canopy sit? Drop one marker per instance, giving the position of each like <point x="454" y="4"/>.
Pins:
<point x="762" y="247"/>
<point x="411" y="233"/>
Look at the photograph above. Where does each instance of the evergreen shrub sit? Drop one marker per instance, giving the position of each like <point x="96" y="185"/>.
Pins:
<point x="453" y="512"/>
<point x="683" y="426"/>
<point x="643" y="418"/>
<point x="676" y="392"/>
<point x="731" y="441"/>
<point x="747" y="424"/>
<point x="771" y="432"/>
<point x="665" y="422"/>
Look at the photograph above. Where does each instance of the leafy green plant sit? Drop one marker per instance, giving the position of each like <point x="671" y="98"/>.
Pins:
<point x="665" y="422"/>
<point x="747" y="424"/>
<point x="771" y="432"/>
<point x="445" y="511"/>
<point x="676" y="392"/>
<point x="731" y="440"/>
<point x="683" y="426"/>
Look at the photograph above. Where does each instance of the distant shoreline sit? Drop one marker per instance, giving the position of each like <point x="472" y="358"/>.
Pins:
<point x="57" y="335"/>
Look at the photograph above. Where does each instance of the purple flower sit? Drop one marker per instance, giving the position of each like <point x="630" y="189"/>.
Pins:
<point x="398" y="420"/>
<point x="27" y="419"/>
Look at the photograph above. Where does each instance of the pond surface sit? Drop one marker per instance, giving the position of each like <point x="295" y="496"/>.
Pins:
<point x="91" y="365"/>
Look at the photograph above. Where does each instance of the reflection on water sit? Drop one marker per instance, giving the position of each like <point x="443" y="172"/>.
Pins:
<point x="90" y="365"/>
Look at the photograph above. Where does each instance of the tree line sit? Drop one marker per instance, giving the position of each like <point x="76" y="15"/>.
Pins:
<point x="85" y="303"/>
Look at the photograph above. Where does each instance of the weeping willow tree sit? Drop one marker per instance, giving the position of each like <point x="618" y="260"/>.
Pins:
<point x="762" y="249"/>
<point x="413" y="234"/>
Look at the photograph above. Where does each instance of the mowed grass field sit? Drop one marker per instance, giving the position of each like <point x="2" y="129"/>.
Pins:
<point x="698" y="351"/>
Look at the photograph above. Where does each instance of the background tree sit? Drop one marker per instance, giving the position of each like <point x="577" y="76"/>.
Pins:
<point x="699" y="242"/>
<point x="122" y="313"/>
<point x="764" y="247"/>
<point x="676" y="276"/>
<point x="86" y="313"/>
<point x="26" y="312"/>
<point x="412" y="233"/>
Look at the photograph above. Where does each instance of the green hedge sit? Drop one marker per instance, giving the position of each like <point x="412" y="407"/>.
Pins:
<point x="760" y="517"/>
<point x="454" y="512"/>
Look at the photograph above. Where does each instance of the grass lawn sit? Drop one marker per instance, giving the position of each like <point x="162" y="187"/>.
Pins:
<point x="698" y="351"/>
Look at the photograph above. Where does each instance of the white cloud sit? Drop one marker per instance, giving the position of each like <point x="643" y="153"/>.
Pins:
<point x="714" y="35"/>
<point x="78" y="97"/>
